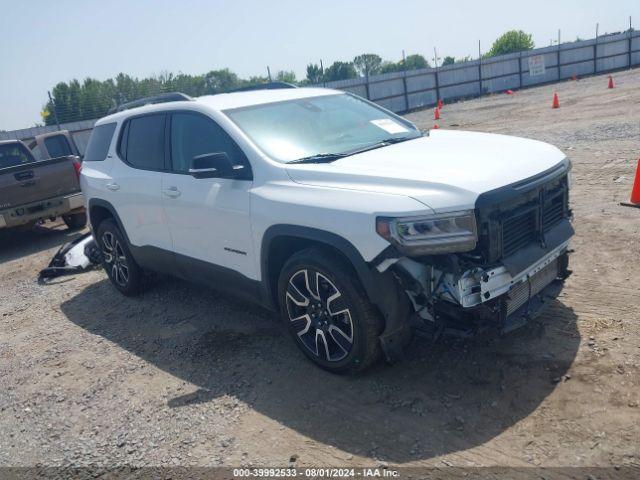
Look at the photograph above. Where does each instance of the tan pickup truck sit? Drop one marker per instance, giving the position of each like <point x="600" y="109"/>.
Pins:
<point x="36" y="190"/>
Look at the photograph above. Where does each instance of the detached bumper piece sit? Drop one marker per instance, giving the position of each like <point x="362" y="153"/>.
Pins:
<point x="75" y="257"/>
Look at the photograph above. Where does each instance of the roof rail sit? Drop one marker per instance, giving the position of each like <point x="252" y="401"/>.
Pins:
<point x="162" y="98"/>
<point x="265" y="86"/>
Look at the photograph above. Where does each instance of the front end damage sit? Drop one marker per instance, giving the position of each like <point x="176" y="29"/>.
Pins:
<point x="448" y="300"/>
<point x="517" y="268"/>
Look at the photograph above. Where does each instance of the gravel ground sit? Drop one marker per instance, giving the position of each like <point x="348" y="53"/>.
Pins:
<point x="183" y="375"/>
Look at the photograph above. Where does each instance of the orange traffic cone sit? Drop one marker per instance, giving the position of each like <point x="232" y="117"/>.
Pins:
<point x="635" y="191"/>
<point x="574" y="77"/>
<point x="556" y="102"/>
<point x="436" y="114"/>
<point x="440" y="103"/>
<point x="509" y="92"/>
<point x="436" y="126"/>
<point x="610" y="82"/>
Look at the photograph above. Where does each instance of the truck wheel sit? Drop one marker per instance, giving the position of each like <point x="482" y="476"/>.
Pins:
<point x="75" y="221"/>
<point x="117" y="261"/>
<point x="328" y="312"/>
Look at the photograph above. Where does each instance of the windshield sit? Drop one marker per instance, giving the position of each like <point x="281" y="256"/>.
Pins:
<point x="330" y="124"/>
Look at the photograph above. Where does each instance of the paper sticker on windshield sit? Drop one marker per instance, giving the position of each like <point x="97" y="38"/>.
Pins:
<point x="389" y="126"/>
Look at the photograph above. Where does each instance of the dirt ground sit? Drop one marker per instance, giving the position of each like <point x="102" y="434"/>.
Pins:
<point x="183" y="375"/>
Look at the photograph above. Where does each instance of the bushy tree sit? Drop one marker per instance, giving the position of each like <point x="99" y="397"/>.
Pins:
<point x="340" y="71"/>
<point x="448" y="60"/>
<point x="367" y="64"/>
<point x="314" y="74"/>
<point x="286" y="76"/>
<point x="511" y="42"/>
<point x="416" y="61"/>
<point x="388" y="67"/>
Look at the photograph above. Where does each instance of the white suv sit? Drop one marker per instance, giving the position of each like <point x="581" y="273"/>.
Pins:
<point x="355" y="226"/>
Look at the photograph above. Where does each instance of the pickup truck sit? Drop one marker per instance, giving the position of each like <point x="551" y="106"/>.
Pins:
<point x="35" y="190"/>
<point x="358" y="228"/>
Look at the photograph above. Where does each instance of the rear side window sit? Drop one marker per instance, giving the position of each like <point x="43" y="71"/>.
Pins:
<point x="57" y="146"/>
<point x="99" y="142"/>
<point x="12" y="155"/>
<point x="142" y="142"/>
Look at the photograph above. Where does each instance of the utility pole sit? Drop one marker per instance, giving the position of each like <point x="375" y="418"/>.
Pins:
<point x="435" y="61"/>
<point x="630" y="41"/>
<point x="55" y="113"/>
<point x="595" y="51"/>
<point x="269" y="73"/>
<point x="324" y="82"/>
<point x="404" y="82"/>
<point x="558" y="57"/>
<point x="480" y="67"/>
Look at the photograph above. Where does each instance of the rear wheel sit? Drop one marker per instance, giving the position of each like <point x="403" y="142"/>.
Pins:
<point x="75" y="221"/>
<point x="328" y="313"/>
<point x="117" y="260"/>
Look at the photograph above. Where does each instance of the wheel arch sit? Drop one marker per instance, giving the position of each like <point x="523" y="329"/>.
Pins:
<point x="281" y="241"/>
<point x="100" y="210"/>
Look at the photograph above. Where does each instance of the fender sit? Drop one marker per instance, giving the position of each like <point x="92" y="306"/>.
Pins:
<point x="321" y="236"/>
<point x="381" y="288"/>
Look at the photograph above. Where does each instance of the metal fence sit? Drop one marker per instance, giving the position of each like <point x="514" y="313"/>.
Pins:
<point x="409" y="90"/>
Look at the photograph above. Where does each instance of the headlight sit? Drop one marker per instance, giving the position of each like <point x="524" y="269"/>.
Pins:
<point x="430" y="235"/>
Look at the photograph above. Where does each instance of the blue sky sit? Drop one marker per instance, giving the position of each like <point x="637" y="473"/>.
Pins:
<point x="44" y="42"/>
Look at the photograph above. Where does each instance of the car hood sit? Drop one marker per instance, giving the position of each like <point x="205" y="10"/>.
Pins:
<point x="446" y="170"/>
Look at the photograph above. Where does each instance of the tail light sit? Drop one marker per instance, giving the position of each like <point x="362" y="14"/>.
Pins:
<point x="77" y="166"/>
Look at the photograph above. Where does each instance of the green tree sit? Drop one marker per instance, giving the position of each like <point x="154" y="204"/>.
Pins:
<point x="217" y="81"/>
<point x="448" y="60"/>
<point x="388" y="67"/>
<point x="510" y="42"/>
<point x="286" y="76"/>
<point x="415" y="61"/>
<point x="314" y="74"/>
<point x="367" y="64"/>
<point x="340" y="71"/>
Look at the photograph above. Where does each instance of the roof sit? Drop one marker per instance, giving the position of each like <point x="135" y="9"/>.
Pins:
<point x="224" y="101"/>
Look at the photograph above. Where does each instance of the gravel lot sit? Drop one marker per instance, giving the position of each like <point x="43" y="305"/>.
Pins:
<point x="183" y="375"/>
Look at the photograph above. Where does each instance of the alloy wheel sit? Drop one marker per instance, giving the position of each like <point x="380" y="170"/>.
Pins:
<point x="319" y="315"/>
<point x="115" y="259"/>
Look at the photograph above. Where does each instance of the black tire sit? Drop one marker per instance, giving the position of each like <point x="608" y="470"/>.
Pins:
<point x="348" y="342"/>
<point x="75" y="221"/>
<point x="123" y="271"/>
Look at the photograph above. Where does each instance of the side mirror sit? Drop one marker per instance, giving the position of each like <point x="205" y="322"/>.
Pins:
<point x="214" y="165"/>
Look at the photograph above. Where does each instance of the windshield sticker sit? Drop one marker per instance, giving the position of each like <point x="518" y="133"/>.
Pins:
<point x="389" y="126"/>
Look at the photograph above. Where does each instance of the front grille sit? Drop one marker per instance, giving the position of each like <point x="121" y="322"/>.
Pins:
<point x="520" y="293"/>
<point x="553" y="211"/>
<point x="520" y="224"/>
<point x="518" y="231"/>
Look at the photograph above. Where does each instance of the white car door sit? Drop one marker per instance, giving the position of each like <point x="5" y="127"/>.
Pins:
<point x="136" y="181"/>
<point x="209" y="218"/>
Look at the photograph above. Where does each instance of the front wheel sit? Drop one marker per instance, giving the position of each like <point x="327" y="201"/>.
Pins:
<point x="328" y="313"/>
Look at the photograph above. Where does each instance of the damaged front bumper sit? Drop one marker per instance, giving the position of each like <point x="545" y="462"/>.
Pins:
<point x="464" y="302"/>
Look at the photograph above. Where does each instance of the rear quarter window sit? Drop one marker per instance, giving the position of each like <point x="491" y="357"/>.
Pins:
<point x="57" y="146"/>
<point x="99" y="142"/>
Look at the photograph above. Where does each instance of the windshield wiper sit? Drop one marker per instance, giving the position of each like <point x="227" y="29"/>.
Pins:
<point x="330" y="157"/>
<point x="320" y="158"/>
<point x="384" y="143"/>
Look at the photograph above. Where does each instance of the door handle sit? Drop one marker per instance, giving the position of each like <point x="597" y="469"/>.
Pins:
<point x="113" y="186"/>
<point x="172" y="192"/>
